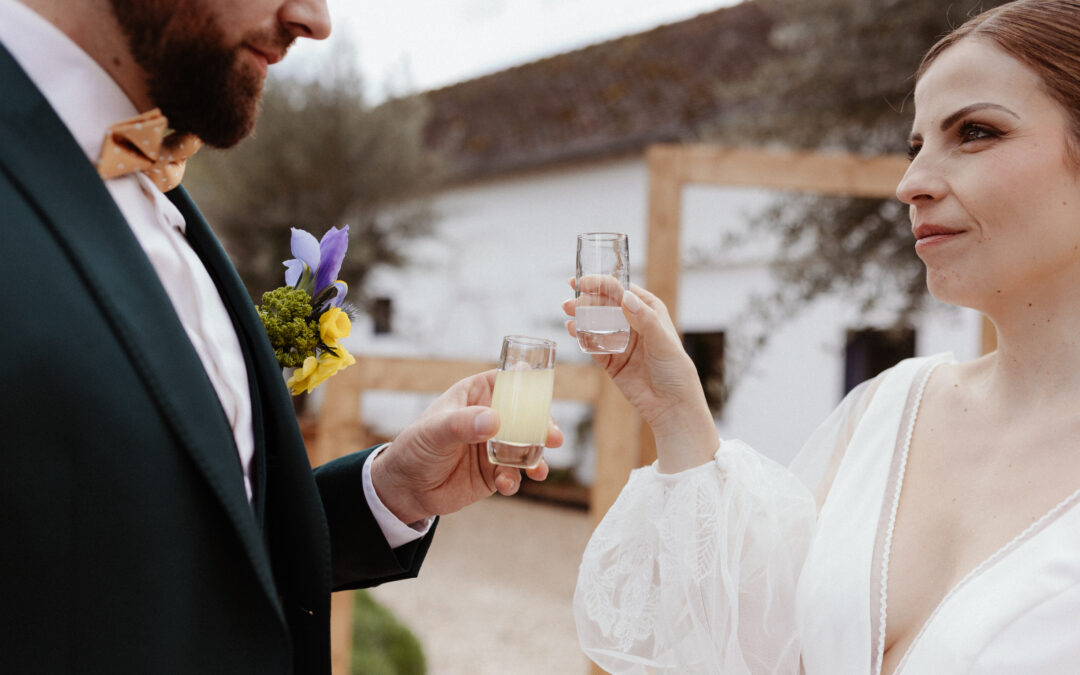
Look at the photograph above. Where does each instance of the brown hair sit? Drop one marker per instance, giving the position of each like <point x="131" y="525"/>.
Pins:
<point x="1044" y="35"/>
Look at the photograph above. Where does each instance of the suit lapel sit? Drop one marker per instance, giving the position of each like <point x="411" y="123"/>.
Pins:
<point x="295" y="524"/>
<point x="39" y="154"/>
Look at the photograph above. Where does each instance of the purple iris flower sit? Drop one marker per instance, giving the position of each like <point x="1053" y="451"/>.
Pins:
<point x="316" y="264"/>
<point x="332" y="247"/>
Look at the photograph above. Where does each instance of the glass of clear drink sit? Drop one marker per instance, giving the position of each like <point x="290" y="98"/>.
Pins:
<point x="603" y="273"/>
<point x="522" y="397"/>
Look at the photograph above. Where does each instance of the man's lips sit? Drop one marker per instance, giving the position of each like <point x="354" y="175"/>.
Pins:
<point x="264" y="58"/>
<point x="927" y="234"/>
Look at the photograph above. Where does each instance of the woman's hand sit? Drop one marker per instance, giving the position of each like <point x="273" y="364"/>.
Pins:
<point x="658" y="378"/>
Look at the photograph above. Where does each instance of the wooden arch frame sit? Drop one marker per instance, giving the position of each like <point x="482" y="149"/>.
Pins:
<point x="622" y="441"/>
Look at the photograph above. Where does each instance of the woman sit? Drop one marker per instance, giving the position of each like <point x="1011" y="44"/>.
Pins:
<point x="931" y="525"/>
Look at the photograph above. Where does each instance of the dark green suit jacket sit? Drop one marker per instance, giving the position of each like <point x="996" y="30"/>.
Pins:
<point x="127" y="544"/>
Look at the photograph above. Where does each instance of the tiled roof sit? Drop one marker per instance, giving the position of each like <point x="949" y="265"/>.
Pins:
<point x="609" y="98"/>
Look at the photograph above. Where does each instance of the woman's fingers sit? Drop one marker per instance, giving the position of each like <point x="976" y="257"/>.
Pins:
<point x="653" y="319"/>
<point x="599" y="285"/>
<point x="651" y="300"/>
<point x="569" y="306"/>
<point x="648" y="322"/>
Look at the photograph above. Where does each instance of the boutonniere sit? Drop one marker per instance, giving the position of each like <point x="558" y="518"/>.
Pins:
<point x="305" y="318"/>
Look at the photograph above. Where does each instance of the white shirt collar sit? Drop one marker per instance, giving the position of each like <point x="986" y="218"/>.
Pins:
<point x="84" y="96"/>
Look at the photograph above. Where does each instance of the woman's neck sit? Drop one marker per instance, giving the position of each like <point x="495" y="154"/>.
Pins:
<point x="1038" y="349"/>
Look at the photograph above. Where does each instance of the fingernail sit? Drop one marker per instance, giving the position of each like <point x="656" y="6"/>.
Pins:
<point x="505" y="485"/>
<point x="631" y="302"/>
<point x="484" y="423"/>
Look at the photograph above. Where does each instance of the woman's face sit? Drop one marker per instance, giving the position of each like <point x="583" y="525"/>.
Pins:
<point x="994" y="201"/>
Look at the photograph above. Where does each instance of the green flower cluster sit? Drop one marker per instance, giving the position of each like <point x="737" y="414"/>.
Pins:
<point x="294" y="334"/>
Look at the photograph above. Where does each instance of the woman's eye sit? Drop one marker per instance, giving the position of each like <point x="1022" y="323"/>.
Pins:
<point x="969" y="131"/>
<point x="913" y="150"/>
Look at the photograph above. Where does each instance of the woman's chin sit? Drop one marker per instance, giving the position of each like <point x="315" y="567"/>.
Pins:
<point x="952" y="290"/>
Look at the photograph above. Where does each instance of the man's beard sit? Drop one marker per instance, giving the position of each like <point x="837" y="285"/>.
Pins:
<point x="197" y="80"/>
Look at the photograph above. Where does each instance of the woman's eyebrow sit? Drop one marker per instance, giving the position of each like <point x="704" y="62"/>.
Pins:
<point x="968" y="109"/>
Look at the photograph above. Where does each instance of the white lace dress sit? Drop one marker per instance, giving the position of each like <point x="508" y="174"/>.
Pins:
<point x="730" y="567"/>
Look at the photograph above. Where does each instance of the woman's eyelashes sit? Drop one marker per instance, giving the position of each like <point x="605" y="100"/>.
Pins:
<point x="967" y="132"/>
<point x="973" y="132"/>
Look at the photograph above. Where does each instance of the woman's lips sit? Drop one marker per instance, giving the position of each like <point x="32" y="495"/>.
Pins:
<point x="930" y="235"/>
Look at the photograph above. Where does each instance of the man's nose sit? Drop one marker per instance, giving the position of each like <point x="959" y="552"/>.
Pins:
<point x="306" y="18"/>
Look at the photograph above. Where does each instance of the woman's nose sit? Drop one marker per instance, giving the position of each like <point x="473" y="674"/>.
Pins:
<point x="923" y="180"/>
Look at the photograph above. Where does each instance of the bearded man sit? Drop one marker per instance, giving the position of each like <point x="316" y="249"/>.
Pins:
<point x="157" y="509"/>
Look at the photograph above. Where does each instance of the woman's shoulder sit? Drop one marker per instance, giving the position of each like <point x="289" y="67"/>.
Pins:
<point x="899" y="379"/>
<point x="911" y="373"/>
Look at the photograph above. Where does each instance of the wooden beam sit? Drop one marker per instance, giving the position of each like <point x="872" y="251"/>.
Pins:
<point x="432" y="376"/>
<point x="617" y="442"/>
<point x="573" y="382"/>
<point x="827" y="173"/>
<point x="342" y="609"/>
<point x="337" y="429"/>
<point x="664" y="224"/>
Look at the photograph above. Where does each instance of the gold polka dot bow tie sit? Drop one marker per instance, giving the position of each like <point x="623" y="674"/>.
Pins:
<point x="144" y="143"/>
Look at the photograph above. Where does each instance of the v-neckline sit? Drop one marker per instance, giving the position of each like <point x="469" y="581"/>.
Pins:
<point x="890" y="507"/>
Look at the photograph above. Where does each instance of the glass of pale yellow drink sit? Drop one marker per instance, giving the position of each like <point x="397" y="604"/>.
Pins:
<point x="603" y="273"/>
<point x="522" y="397"/>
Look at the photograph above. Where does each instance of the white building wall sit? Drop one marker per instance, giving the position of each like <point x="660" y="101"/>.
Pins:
<point x="503" y="250"/>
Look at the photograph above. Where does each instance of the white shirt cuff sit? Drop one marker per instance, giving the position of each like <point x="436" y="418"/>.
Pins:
<point x="396" y="532"/>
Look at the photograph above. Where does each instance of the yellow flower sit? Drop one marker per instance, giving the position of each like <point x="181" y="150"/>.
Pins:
<point x="318" y="369"/>
<point x="334" y="324"/>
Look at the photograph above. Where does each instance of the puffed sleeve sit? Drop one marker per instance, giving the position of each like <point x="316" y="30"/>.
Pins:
<point x="695" y="572"/>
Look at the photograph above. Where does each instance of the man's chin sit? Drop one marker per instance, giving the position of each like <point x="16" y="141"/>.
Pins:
<point x="223" y="138"/>
<point x="226" y="120"/>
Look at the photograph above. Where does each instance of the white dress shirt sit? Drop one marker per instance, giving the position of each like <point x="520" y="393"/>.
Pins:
<point x="88" y="100"/>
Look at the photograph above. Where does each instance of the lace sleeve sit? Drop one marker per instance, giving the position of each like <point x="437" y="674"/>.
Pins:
<point x="695" y="572"/>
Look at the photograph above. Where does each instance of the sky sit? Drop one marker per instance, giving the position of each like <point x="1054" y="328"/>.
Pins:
<point x="415" y="45"/>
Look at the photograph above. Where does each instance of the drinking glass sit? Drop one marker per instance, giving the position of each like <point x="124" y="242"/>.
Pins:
<point x="522" y="397"/>
<point x="603" y="273"/>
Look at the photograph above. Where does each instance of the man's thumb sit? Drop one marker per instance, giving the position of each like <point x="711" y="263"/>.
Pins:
<point x="468" y="425"/>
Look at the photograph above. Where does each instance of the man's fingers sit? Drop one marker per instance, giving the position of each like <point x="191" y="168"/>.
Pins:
<point x="507" y="480"/>
<point x="555" y="435"/>
<point x="538" y="472"/>
<point x="474" y="424"/>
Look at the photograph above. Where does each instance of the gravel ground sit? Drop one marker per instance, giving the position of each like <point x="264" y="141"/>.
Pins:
<point x="494" y="596"/>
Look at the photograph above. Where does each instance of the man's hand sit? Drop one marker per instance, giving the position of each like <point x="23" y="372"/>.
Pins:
<point x="439" y="464"/>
